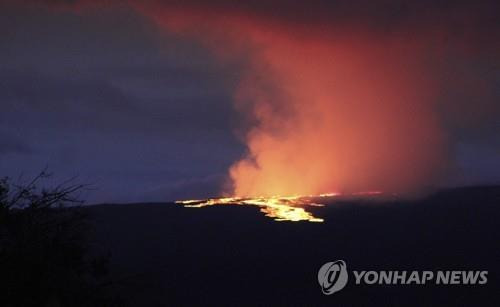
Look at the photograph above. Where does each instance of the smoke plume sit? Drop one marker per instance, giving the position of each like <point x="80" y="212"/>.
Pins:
<point x="338" y="95"/>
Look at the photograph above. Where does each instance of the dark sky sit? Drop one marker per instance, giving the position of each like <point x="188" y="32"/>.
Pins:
<point x="140" y="115"/>
<point x="145" y="115"/>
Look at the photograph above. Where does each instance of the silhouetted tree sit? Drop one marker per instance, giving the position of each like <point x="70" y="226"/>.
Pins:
<point x="43" y="250"/>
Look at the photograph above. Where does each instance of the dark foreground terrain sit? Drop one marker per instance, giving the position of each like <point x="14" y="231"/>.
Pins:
<point x="167" y="255"/>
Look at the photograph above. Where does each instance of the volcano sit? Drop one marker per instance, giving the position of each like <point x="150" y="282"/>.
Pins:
<point x="165" y="254"/>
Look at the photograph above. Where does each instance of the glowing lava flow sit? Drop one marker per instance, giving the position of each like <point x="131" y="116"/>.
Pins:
<point x="279" y="208"/>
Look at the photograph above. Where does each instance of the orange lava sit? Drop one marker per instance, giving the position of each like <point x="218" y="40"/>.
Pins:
<point x="279" y="208"/>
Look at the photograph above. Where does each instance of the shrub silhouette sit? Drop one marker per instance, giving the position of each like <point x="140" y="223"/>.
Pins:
<point x="43" y="250"/>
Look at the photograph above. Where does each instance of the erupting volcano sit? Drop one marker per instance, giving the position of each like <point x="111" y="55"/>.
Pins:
<point x="332" y="98"/>
<point x="246" y="153"/>
<point x="324" y="108"/>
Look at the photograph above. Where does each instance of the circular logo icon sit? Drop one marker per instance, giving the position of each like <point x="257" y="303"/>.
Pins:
<point x="332" y="276"/>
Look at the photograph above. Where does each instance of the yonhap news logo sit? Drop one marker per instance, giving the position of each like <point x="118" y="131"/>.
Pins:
<point x="333" y="277"/>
